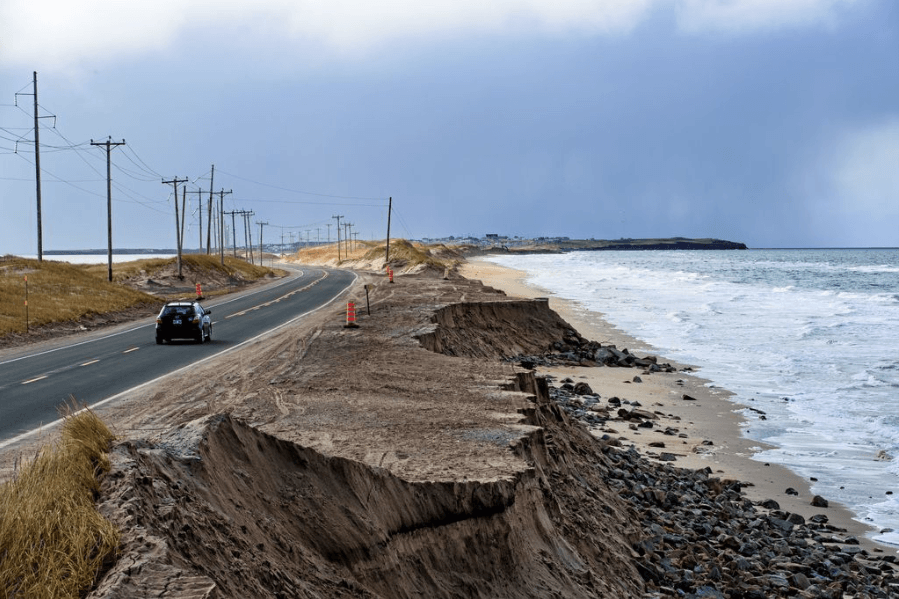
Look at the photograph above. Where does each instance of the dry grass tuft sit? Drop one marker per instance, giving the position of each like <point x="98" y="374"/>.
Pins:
<point x="409" y="254"/>
<point x="58" y="292"/>
<point x="53" y="542"/>
<point x="191" y="263"/>
<point x="327" y="253"/>
<point x="403" y="254"/>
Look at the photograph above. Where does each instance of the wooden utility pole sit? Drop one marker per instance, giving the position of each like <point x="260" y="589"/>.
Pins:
<point x="338" y="217"/>
<point x="178" y="225"/>
<point x="248" y="231"/>
<point x="389" y="210"/>
<point x="222" y="194"/>
<point x="37" y="174"/>
<point x="261" y="224"/>
<point x="209" y="224"/>
<point x="37" y="164"/>
<point x="199" y="193"/>
<point x="183" y="214"/>
<point x="109" y="144"/>
<point x="233" y="231"/>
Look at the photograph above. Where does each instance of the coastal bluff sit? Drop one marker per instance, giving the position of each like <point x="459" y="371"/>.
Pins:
<point x="413" y="456"/>
<point x="560" y="245"/>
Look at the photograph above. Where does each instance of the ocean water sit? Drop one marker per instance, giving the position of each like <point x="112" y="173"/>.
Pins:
<point x="809" y="337"/>
<point x="97" y="258"/>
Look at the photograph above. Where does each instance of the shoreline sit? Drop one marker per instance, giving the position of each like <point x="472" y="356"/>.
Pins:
<point x="711" y="418"/>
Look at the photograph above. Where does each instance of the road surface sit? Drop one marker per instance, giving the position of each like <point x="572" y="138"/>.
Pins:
<point x="33" y="385"/>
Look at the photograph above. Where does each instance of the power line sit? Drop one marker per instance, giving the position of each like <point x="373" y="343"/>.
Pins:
<point x="311" y="193"/>
<point x="313" y="203"/>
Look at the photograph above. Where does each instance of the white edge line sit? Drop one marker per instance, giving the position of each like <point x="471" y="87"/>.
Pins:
<point x="16" y="439"/>
<point x="50" y="351"/>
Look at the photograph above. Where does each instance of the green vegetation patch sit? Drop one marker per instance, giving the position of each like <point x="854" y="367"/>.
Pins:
<point x="53" y="542"/>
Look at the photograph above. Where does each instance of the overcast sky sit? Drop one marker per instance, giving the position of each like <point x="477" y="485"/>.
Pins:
<point x="771" y="122"/>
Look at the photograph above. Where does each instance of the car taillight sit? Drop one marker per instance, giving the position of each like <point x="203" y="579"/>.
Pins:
<point x="158" y="320"/>
<point x="196" y="320"/>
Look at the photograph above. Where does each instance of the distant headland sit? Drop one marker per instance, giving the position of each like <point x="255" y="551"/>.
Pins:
<point x="497" y="244"/>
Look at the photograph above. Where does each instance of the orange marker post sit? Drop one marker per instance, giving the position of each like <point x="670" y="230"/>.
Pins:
<point x="351" y="316"/>
<point x="390" y="274"/>
<point x="199" y="292"/>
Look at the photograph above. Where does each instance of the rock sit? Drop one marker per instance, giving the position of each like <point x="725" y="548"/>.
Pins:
<point x="791" y="491"/>
<point x="638" y="379"/>
<point x="819" y="501"/>
<point x="689" y="398"/>
<point x="583" y="389"/>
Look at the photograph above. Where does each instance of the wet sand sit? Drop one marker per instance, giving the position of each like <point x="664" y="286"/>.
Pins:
<point x="709" y="426"/>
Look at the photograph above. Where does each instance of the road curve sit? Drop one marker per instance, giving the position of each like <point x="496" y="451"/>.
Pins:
<point x="33" y="385"/>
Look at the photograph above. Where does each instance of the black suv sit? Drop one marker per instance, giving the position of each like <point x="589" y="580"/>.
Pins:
<point x="184" y="320"/>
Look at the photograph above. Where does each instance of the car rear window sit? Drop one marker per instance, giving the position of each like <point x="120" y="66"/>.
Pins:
<point x="181" y="310"/>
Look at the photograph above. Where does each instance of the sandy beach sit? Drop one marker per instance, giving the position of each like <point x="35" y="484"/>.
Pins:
<point x="709" y="427"/>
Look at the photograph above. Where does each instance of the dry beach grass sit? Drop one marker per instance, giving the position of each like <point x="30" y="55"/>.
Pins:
<point x="77" y="294"/>
<point x="55" y="543"/>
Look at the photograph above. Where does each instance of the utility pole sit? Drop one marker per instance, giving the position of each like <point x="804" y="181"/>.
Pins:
<point x="329" y="231"/>
<point x="209" y="224"/>
<point x="183" y="216"/>
<point x="109" y="146"/>
<point x="37" y="165"/>
<point x="346" y="238"/>
<point x="389" y="210"/>
<point x="261" y="224"/>
<point x="233" y="231"/>
<point x="249" y="232"/>
<point x="174" y="183"/>
<point x="37" y="175"/>
<point x="199" y="193"/>
<point x="222" y="194"/>
<point x="338" y="217"/>
<point x="318" y="235"/>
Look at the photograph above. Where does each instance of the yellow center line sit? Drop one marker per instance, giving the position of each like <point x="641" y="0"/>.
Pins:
<point x="91" y="362"/>
<point x="128" y="351"/>
<point x="34" y="379"/>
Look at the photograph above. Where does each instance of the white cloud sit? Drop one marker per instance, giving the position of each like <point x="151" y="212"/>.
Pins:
<point x="757" y="15"/>
<point x="57" y="34"/>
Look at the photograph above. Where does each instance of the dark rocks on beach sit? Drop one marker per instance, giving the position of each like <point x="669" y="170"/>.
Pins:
<point x="574" y="350"/>
<point x="819" y="501"/>
<point x="582" y="389"/>
<point x="701" y="536"/>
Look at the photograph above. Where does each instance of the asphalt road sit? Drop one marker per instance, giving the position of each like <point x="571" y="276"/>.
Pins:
<point x="33" y="385"/>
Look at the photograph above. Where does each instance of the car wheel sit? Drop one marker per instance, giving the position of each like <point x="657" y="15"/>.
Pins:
<point x="209" y="334"/>
<point x="200" y="338"/>
<point x="159" y="341"/>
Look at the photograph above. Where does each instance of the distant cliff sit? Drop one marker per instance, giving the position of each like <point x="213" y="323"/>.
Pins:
<point x="674" y="243"/>
<point x="589" y="245"/>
